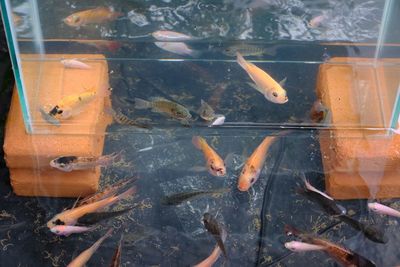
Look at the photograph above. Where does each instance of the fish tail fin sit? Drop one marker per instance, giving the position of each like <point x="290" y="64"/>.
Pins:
<point x="104" y="237"/>
<point x="127" y="193"/>
<point x="142" y="104"/>
<point x="110" y="159"/>
<point x="198" y="141"/>
<point x="241" y="61"/>
<point x="194" y="53"/>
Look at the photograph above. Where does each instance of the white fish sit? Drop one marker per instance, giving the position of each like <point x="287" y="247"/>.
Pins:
<point x="66" y="230"/>
<point x="75" y="64"/>
<point x="382" y="209"/>
<point x="263" y="82"/>
<point x="171" y="36"/>
<point x="298" y="246"/>
<point x="219" y="120"/>
<point x="178" y="48"/>
<point x="317" y="21"/>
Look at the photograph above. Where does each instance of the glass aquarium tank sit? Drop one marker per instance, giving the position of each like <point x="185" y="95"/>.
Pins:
<point x="201" y="133"/>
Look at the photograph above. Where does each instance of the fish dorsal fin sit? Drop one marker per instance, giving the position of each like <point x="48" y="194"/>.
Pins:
<point x="283" y="82"/>
<point x="255" y="87"/>
<point x="76" y="201"/>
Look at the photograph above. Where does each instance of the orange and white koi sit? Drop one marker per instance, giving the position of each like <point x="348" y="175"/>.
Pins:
<point x="92" y="16"/>
<point x="382" y="209"/>
<point x="85" y="256"/>
<point x="264" y="83"/>
<point x="254" y="164"/>
<point x="75" y="64"/>
<point x="70" y="163"/>
<point x="71" y="216"/>
<point x="67" y="230"/>
<point x="214" y="163"/>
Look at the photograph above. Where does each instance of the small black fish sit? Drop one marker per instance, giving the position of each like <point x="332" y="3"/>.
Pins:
<point x="95" y="217"/>
<point x="179" y="198"/>
<point x="371" y="232"/>
<point x="328" y="205"/>
<point x="4" y="228"/>
<point x="214" y="228"/>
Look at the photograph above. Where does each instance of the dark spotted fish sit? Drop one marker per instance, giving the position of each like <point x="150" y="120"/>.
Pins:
<point x="124" y="120"/>
<point x="214" y="228"/>
<point x="179" y="198"/>
<point x="165" y="107"/>
<point x="247" y="50"/>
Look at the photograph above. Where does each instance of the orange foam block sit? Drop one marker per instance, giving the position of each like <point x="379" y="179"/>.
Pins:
<point x="358" y="163"/>
<point x="28" y="155"/>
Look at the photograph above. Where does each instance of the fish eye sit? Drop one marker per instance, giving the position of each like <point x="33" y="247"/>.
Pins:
<point x="275" y="94"/>
<point x="59" y="111"/>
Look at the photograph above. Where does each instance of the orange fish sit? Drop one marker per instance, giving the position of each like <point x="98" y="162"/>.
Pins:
<point x="81" y="260"/>
<point x="254" y="164"/>
<point x="265" y="84"/>
<point x="71" y="216"/>
<point x="215" y="164"/>
<point x="92" y="16"/>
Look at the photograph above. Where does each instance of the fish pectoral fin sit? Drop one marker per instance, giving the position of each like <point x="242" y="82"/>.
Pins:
<point x="255" y="87"/>
<point x="198" y="169"/>
<point x="283" y="82"/>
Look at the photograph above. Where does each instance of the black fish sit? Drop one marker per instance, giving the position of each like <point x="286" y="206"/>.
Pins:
<point x="344" y="256"/>
<point x="95" y="217"/>
<point x="4" y="228"/>
<point x="178" y="198"/>
<point x="328" y="205"/>
<point x="371" y="232"/>
<point x="214" y="228"/>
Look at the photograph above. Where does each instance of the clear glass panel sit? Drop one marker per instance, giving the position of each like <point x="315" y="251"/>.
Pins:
<point x="340" y="63"/>
<point x="287" y="39"/>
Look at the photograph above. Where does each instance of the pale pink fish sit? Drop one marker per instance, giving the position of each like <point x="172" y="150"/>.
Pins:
<point x="75" y="64"/>
<point x="317" y="21"/>
<point x="382" y="209"/>
<point x="312" y="188"/>
<point x="178" y="48"/>
<point x="298" y="246"/>
<point x="67" y="230"/>
<point x="170" y="36"/>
